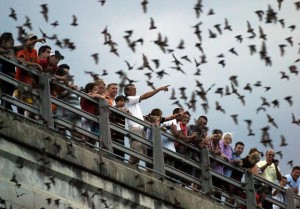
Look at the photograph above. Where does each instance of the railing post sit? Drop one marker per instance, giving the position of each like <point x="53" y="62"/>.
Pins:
<point x="45" y="99"/>
<point x="104" y="129"/>
<point x="250" y="191"/>
<point x="158" y="155"/>
<point x="290" y="199"/>
<point x="205" y="178"/>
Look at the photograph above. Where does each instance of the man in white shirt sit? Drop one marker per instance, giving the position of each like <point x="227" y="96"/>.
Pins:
<point x="132" y="104"/>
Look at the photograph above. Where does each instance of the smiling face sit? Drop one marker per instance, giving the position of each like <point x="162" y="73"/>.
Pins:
<point x="227" y="139"/>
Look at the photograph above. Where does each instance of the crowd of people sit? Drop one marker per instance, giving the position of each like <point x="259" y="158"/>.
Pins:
<point x="178" y="124"/>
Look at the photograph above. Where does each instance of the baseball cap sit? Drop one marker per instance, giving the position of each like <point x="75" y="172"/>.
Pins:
<point x="57" y="54"/>
<point x="31" y="36"/>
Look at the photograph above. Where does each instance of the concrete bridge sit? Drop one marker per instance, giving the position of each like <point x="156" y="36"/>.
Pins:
<point x="40" y="168"/>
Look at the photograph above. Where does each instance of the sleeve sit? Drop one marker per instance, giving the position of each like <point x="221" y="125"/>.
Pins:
<point x="132" y="100"/>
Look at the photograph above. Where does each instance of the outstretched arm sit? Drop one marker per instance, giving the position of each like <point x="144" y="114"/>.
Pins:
<point x="152" y="93"/>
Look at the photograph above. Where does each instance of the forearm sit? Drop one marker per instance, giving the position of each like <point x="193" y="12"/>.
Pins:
<point x="149" y="94"/>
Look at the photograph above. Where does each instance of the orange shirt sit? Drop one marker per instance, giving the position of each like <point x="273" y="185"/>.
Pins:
<point x="29" y="56"/>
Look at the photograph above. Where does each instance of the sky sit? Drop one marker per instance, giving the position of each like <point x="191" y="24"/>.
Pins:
<point x="223" y="57"/>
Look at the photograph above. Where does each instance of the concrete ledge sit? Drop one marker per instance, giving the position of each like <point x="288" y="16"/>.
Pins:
<point x="84" y="178"/>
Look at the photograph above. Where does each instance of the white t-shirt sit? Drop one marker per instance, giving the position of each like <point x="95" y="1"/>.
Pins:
<point x="132" y="104"/>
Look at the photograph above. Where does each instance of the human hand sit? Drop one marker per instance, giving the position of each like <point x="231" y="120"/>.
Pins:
<point x="164" y="88"/>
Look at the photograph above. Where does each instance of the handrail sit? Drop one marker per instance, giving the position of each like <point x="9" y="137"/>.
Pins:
<point x="159" y="152"/>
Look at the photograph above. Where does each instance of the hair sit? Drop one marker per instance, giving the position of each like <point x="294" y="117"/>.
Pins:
<point x="120" y="97"/>
<point x="227" y="133"/>
<point x="127" y="88"/>
<point x="99" y="82"/>
<point x="283" y="177"/>
<point x="153" y="118"/>
<point x="89" y="87"/>
<point x="156" y="112"/>
<point x="217" y="131"/>
<point x="64" y="66"/>
<point x="60" y="70"/>
<point x="239" y="143"/>
<point x="5" y="37"/>
<point x="204" y="117"/>
<point x="188" y="113"/>
<point x="111" y="84"/>
<point x="43" y="48"/>
<point x="296" y="168"/>
<point x="177" y="110"/>
<point x="252" y="150"/>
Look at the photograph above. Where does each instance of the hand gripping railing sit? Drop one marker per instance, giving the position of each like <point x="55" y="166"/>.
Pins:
<point x="107" y="144"/>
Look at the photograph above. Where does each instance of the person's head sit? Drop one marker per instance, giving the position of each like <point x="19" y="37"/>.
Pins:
<point x="101" y="86"/>
<point x="120" y="101"/>
<point x="130" y="90"/>
<point x="217" y="135"/>
<point x="295" y="172"/>
<point x="202" y="121"/>
<point x="283" y="181"/>
<point x="62" y="70"/>
<point x="239" y="147"/>
<point x="178" y="110"/>
<point x="30" y="37"/>
<point x="253" y="150"/>
<point x="156" y="112"/>
<point x="91" y="88"/>
<point x="154" y="119"/>
<point x="112" y="90"/>
<point x="55" y="57"/>
<point x="6" y="40"/>
<point x="254" y="158"/>
<point x="186" y="118"/>
<point x="270" y="155"/>
<point x="227" y="138"/>
<point x="44" y="51"/>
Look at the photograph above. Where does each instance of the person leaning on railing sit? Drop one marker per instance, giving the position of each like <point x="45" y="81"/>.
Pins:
<point x="29" y="56"/>
<point x="8" y="50"/>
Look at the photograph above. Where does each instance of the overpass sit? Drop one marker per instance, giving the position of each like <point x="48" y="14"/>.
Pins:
<point x="43" y="168"/>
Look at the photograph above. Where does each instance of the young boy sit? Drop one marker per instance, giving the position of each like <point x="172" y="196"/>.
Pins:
<point x="278" y="195"/>
<point x="120" y="121"/>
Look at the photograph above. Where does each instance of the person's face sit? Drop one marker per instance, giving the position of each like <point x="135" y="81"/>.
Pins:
<point x="202" y="123"/>
<point x="185" y="119"/>
<point x="131" y="91"/>
<point x="95" y="90"/>
<point x="227" y="139"/>
<point x="295" y="174"/>
<point x="54" y="60"/>
<point x="121" y="103"/>
<point x="46" y="53"/>
<point x="217" y="137"/>
<point x="283" y="182"/>
<point x="113" y="90"/>
<point x="239" y="149"/>
<point x="270" y="156"/>
<point x="33" y="45"/>
<point x="101" y="89"/>
<point x="8" y="44"/>
<point x="254" y="158"/>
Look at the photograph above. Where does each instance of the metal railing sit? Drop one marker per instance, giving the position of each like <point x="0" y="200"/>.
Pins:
<point x="154" y="162"/>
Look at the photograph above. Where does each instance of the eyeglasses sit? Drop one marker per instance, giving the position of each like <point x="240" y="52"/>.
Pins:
<point x="271" y="155"/>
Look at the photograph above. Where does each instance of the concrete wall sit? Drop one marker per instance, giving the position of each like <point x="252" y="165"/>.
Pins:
<point x="39" y="169"/>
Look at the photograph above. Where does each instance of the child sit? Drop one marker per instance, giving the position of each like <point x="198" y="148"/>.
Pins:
<point x="261" y="194"/>
<point x="278" y="195"/>
<point x="155" y="120"/>
<point x="87" y="105"/>
<point x="119" y="120"/>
